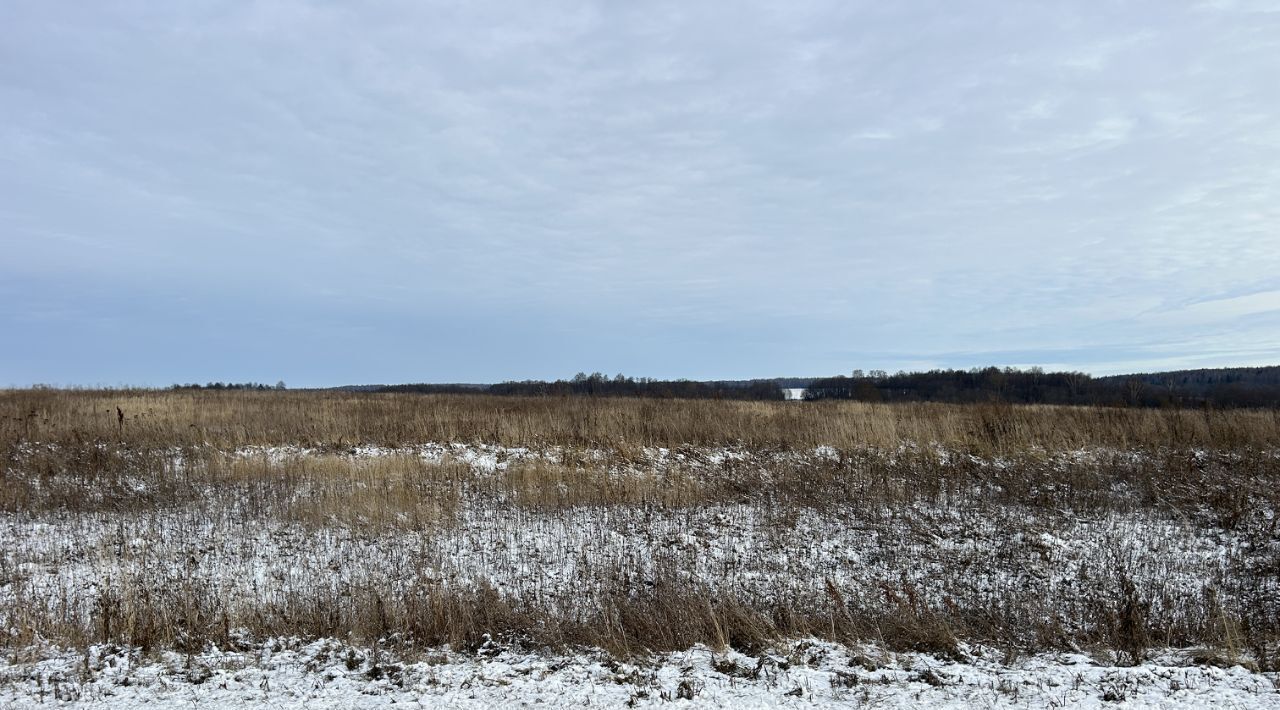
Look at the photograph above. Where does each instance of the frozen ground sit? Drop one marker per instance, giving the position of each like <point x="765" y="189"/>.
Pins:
<point x="326" y="674"/>
<point x="1045" y="564"/>
<point x="243" y="550"/>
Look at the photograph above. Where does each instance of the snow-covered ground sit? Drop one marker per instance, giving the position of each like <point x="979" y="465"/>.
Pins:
<point x="962" y="552"/>
<point x="327" y="674"/>
<point x="1033" y="569"/>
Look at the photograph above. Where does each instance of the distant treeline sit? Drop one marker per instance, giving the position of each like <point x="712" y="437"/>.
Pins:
<point x="1232" y="387"/>
<point x="600" y="385"/>
<point x="229" y="386"/>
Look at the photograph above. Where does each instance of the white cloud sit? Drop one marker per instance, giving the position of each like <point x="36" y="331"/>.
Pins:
<point x="1221" y="309"/>
<point x="866" y="178"/>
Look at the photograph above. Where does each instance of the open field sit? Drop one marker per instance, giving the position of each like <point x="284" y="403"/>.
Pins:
<point x="227" y="420"/>
<point x="937" y="554"/>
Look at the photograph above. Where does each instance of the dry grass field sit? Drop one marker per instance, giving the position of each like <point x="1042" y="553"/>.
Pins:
<point x="188" y="521"/>
<point x="334" y="419"/>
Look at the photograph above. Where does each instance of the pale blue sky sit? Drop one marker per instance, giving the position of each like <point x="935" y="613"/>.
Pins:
<point x="334" y="192"/>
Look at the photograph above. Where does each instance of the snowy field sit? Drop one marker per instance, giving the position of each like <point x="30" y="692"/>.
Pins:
<point x="250" y="553"/>
<point x="327" y="674"/>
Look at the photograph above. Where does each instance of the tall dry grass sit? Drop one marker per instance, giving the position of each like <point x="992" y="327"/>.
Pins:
<point x="69" y="454"/>
<point x="339" y="419"/>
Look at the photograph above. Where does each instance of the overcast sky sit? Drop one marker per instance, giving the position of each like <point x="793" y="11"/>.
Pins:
<point x="334" y="192"/>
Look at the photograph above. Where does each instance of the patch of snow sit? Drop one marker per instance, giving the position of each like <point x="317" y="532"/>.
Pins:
<point x="805" y="674"/>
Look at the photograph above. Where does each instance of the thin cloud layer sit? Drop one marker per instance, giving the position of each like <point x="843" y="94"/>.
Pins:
<point x="480" y="191"/>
